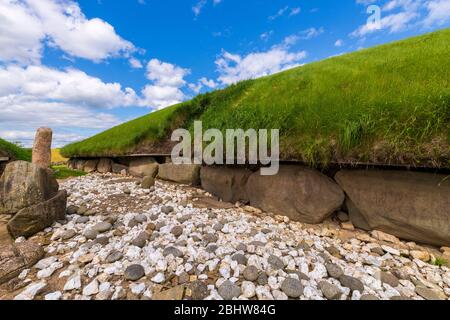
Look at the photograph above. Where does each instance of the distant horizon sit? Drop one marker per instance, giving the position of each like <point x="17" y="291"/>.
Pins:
<point x="83" y="67"/>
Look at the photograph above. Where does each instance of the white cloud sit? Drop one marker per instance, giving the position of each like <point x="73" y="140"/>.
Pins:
<point x="135" y="63"/>
<point x="203" y="82"/>
<point x="233" y="68"/>
<point x="438" y="13"/>
<point x="39" y="83"/>
<point x="21" y="33"/>
<point x="166" y="74"/>
<point x="167" y="81"/>
<point x="25" y="25"/>
<point x="265" y="36"/>
<point x="294" y="11"/>
<point x="339" y="43"/>
<point x="27" y="137"/>
<point x="161" y="96"/>
<point x="401" y="15"/>
<point x="279" y="13"/>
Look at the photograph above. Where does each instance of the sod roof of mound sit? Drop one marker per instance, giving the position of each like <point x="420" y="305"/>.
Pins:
<point x="384" y="105"/>
<point x="8" y="149"/>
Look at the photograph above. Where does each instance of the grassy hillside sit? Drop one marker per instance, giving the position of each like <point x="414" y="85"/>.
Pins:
<point x="14" y="151"/>
<point x="388" y="104"/>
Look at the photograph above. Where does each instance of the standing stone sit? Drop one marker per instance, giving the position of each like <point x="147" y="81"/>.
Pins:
<point x="42" y="152"/>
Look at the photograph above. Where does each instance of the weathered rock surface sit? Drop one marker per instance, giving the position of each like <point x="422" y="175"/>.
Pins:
<point x="90" y="165"/>
<point x="148" y="182"/>
<point x="185" y="173"/>
<point x="119" y="168"/>
<point x="144" y="167"/>
<point x="104" y="165"/>
<point x="411" y="205"/>
<point x="17" y="257"/>
<point x="298" y="192"/>
<point x="225" y="183"/>
<point x="33" y="219"/>
<point x="42" y="153"/>
<point x="24" y="184"/>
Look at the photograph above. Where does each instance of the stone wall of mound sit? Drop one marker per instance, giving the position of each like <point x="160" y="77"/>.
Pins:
<point x="413" y="206"/>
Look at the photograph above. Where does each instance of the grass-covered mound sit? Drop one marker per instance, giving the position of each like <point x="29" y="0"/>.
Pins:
<point x="14" y="151"/>
<point x="389" y="104"/>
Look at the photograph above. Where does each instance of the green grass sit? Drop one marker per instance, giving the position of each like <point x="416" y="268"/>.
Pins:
<point x="440" y="262"/>
<point x="62" y="172"/>
<point x="388" y="104"/>
<point x="15" y="151"/>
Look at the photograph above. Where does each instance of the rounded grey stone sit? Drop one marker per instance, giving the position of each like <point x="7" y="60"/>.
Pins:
<point x="199" y="290"/>
<point x="352" y="283"/>
<point x="218" y="226"/>
<point x="293" y="288"/>
<point x="251" y="273"/>
<point x="114" y="256"/>
<point x="210" y="238"/>
<point x="141" y="240"/>
<point x="167" y="209"/>
<point x="141" y="218"/>
<point x="262" y="279"/>
<point x="72" y="210"/>
<point x="240" y="258"/>
<point x="134" y="272"/>
<point x="177" y="231"/>
<point x="82" y="220"/>
<point x="102" y="227"/>
<point x="69" y="234"/>
<point x="90" y="234"/>
<point x="334" y="270"/>
<point x="211" y="248"/>
<point x="172" y="251"/>
<point x="275" y="262"/>
<point x="330" y="291"/>
<point x="229" y="290"/>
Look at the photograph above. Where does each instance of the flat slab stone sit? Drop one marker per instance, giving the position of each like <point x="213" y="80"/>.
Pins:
<point x="31" y="220"/>
<point x="14" y="258"/>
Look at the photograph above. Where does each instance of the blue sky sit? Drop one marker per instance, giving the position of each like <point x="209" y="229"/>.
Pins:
<point x="81" y="67"/>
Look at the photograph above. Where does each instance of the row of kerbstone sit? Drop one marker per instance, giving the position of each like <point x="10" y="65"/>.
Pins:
<point x="411" y="205"/>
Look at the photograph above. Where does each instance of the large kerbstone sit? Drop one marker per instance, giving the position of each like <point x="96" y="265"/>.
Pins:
<point x="144" y="167"/>
<point x="411" y="205"/>
<point x="119" y="168"/>
<point x="31" y="220"/>
<point x="226" y="183"/>
<point x="90" y="165"/>
<point x="298" y="192"/>
<point x="42" y="153"/>
<point x="76" y="164"/>
<point x="104" y="165"/>
<point x="184" y="173"/>
<point x="17" y="257"/>
<point x="24" y="184"/>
